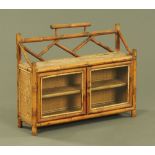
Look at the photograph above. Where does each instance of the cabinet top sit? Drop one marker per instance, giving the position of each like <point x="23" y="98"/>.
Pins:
<point x="83" y="61"/>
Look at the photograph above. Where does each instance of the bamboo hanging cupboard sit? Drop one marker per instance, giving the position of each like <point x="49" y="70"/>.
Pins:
<point x="71" y="89"/>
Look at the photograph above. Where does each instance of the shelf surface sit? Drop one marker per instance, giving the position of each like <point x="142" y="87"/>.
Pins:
<point x="107" y="84"/>
<point x="60" y="91"/>
<point x="105" y="104"/>
<point x="62" y="110"/>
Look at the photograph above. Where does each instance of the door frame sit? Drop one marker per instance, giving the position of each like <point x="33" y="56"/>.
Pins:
<point x="40" y="76"/>
<point x="112" y="107"/>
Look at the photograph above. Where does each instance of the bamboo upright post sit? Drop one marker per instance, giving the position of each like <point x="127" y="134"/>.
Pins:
<point x="134" y="54"/>
<point x="18" y="55"/>
<point x="34" y="100"/>
<point x="117" y="38"/>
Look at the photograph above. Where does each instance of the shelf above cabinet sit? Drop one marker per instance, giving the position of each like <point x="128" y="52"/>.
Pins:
<point x="60" y="91"/>
<point x="107" y="84"/>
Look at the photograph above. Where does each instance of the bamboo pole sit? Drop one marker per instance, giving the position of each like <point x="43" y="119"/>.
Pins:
<point x="18" y="54"/>
<point x="66" y="49"/>
<point x="28" y="50"/>
<point x="56" y="32"/>
<point x="134" y="54"/>
<point x="67" y="36"/>
<point x="81" y="44"/>
<point x="60" y="26"/>
<point x="117" y="38"/>
<point x="101" y="45"/>
<point x="34" y="100"/>
<point x="25" y="55"/>
<point x="124" y="41"/>
<point x="47" y="48"/>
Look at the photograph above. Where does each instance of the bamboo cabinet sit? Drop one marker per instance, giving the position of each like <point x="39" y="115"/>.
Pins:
<point x="71" y="89"/>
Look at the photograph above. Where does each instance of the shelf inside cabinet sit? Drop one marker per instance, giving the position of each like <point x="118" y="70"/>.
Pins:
<point x="107" y="84"/>
<point x="61" y="110"/>
<point x="106" y="103"/>
<point x="60" y="91"/>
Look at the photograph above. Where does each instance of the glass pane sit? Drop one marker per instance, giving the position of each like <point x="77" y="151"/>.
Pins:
<point x="109" y="87"/>
<point x="61" y="94"/>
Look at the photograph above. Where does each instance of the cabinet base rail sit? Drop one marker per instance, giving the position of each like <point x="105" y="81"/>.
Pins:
<point x="81" y="117"/>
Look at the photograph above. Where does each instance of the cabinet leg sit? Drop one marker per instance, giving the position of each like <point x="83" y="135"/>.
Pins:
<point x="20" y="123"/>
<point x="133" y="113"/>
<point x="34" y="130"/>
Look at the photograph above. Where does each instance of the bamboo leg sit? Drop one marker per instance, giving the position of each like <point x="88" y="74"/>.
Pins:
<point x="34" y="102"/>
<point x="34" y="130"/>
<point x="20" y="123"/>
<point x="133" y="112"/>
<point x="18" y="54"/>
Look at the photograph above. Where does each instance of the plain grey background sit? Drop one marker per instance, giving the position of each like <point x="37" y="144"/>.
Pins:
<point x="138" y="27"/>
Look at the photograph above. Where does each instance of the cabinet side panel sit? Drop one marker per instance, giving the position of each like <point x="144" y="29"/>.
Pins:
<point x="25" y="104"/>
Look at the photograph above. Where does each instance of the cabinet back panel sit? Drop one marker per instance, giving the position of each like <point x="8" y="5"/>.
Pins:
<point x="109" y="74"/>
<point x="106" y="74"/>
<point x="62" y="80"/>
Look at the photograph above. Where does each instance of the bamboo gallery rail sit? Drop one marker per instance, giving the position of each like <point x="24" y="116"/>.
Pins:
<point x="90" y="37"/>
<point x="59" y="91"/>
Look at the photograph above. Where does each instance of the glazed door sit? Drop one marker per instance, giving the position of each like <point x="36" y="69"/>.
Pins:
<point x="62" y="94"/>
<point x="108" y="88"/>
